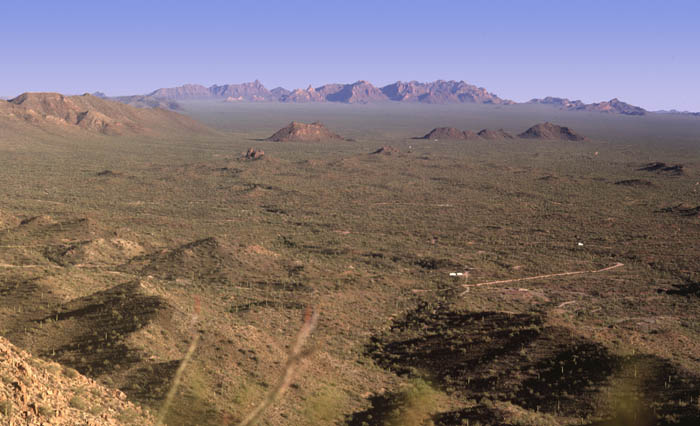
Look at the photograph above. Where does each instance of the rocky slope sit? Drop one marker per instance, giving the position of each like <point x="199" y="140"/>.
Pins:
<point x="36" y="392"/>
<point x="58" y="113"/>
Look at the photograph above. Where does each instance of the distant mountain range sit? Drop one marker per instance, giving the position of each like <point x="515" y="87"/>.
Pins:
<point x="614" y="105"/>
<point x="364" y="92"/>
<point x="360" y="92"/>
<point x="675" y="112"/>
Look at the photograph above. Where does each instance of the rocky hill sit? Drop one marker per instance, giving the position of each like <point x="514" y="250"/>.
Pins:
<point x="551" y="131"/>
<point x="303" y="132"/>
<point x="450" y="133"/>
<point x="613" y="106"/>
<point x="37" y="392"/>
<point x="58" y="113"/>
<point x="495" y="134"/>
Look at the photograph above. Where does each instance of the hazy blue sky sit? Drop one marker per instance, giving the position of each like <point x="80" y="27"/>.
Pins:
<point x="644" y="52"/>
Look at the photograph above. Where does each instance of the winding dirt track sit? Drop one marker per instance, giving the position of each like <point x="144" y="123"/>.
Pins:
<point x="560" y="274"/>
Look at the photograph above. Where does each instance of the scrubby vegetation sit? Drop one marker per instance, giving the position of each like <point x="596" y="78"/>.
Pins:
<point x="101" y="271"/>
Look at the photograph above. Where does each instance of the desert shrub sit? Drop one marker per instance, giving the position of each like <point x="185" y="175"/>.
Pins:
<point x="6" y="408"/>
<point x="45" y="411"/>
<point x="413" y="405"/>
<point x="71" y="373"/>
<point x="78" y="403"/>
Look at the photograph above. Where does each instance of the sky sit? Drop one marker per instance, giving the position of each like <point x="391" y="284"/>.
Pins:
<point x="644" y="52"/>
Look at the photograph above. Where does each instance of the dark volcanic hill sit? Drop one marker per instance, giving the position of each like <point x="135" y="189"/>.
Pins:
<point x="303" y="132"/>
<point x="450" y="133"/>
<point x="495" y="134"/>
<point x="58" y="113"/>
<point x="613" y="106"/>
<point x="551" y="131"/>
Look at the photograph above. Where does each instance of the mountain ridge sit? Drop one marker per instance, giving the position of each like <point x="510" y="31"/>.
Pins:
<point x="614" y="105"/>
<point x="55" y="112"/>
<point x="361" y="92"/>
<point x="438" y="92"/>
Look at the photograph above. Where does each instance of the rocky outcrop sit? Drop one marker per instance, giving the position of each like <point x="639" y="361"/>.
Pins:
<point x="303" y="132"/>
<point x="253" y="154"/>
<point x="37" y="392"/>
<point x="386" y="150"/>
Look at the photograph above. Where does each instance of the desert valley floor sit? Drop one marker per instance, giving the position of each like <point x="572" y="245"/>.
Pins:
<point x="116" y="251"/>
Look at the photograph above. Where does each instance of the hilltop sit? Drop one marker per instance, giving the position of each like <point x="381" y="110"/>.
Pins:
<point x="55" y="112"/>
<point x="303" y="132"/>
<point x="551" y="132"/>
